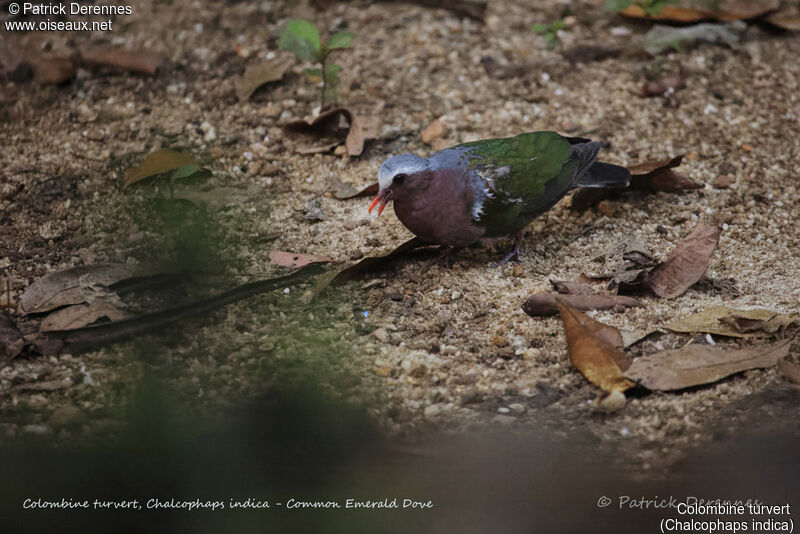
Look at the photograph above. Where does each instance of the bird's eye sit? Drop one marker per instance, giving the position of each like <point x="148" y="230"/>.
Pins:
<point x="398" y="179"/>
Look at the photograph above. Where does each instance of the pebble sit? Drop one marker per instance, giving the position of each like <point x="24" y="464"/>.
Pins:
<point x="381" y="335"/>
<point x="38" y="430"/>
<point x="433" y="410"/>
<point x="516" y="407"/>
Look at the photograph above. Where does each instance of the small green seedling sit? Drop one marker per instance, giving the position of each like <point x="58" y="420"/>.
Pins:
<point x="550" y="32"/>
<point x="301" y="38"/>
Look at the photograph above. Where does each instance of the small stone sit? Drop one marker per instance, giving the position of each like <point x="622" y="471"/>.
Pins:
<point x="433" y="410"/>
<point x="435" y="130"/>
<point x="609" y="209"/>
<point x="612" y="402"/>
<point x="381" y="335"/>
<point x="352" y="224"/>
<point x="356" y="255"/>
<point x="314" y="211"/>
<point x="517" y="407"/>
<point x="503" y="409"/>
<point x="500" y="341"/>
<point x="724" y="181"/>
<point x="37" y="430"/>
<point x="517" y="271"/>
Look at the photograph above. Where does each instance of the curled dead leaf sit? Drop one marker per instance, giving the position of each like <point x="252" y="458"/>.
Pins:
<point x="543" y="304"/>
<point x="260" y="74"/>
<point x="50" y="69"/>
<point x="594" y="349"/>
<point x="329" y="124"/>
<point x="67" y="287"/>
<point x="724" y="321"/>
<point x="687" y="263"/>
<point x="694" y="365"/>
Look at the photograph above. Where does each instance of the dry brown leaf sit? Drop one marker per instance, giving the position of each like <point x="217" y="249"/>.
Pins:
<point x="259" y="74"/>
<point x="139" y="61"/>
<point x="543" y="304"/>
<point x="687" y="263"/>
<point x="64" y="288"/>
<point x="694" y="365"/>
<point x="328" y="125"/>
<point x="688" y="11"/>
<point x="724" y="321"/>
<point x="434" y="131"/>
<point x="659" y="176"/>
<point x="158" y="162"/>
<point x="81" y="315"/>
<point x="594" y="349"/>
<point x="295" y="261"/>
<point x="789" y="370"/>
<point x="787" y="17"/>
<point x="374" y="263"/>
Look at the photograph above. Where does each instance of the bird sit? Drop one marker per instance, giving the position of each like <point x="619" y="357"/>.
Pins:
<point x="491" y="188"/>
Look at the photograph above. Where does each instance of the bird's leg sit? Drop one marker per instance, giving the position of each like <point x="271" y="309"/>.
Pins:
<point x="446" y="255"/>
<point x="514" y="254"/>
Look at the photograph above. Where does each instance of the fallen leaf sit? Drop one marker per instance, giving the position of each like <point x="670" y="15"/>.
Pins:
<point x="80" y="315"/>
<point x="594" y="349"/>
<point x="434" y="131"/>
<point x="694" y="365"/>
<point x="295" y="261"/>
<point x="259" y="74"/>
<point x="687" y="263"/>
<point x="542" y="304"/>
<point x="368" y="191"/>
<point x="374" y="263"/>
<point x="724" y="321"/>
<point x="328" y="124"/>
<point x="67" y="287"/>
<point x="158" y="162"/>
<point x="139" y="61"/>
<point x="688" y="11"/>
<point x="659" y="175"/>
<point x="632" y="338"/>
<point x="786" y="18"/>
<point x="789" y="370"/>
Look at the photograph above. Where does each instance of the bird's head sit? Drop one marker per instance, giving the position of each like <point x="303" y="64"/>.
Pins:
<point x="397" y="176"/>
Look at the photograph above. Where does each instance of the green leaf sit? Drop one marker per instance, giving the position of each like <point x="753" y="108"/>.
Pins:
<point x="185" y="172"/>
<point x="313" y="72"/>
<point x="558" y="25"/>
<point x="332" y="72"/>
<point x="540" y="28"/>
<point x="339" y="40"/>
<point x="618" y="5"/>
<point x="302" y="39"/>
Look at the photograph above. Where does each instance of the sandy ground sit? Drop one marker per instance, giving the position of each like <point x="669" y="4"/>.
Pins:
<point x="444" y="347"/>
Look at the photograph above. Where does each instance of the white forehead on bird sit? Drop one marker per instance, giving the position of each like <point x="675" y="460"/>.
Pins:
<point x="402" y="164"/>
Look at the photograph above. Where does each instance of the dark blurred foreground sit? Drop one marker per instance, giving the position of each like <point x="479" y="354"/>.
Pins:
<point x="296" y="444"/>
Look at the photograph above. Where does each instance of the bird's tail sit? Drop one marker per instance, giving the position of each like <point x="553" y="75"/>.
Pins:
<point x="605" y="175"/>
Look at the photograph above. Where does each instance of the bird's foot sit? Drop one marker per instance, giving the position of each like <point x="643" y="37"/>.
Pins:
<point x="514" y="255"/>
<point x="511" y="256"/>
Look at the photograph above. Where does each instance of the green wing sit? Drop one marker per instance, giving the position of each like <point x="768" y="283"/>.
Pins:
<point x="526" y="176"/>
